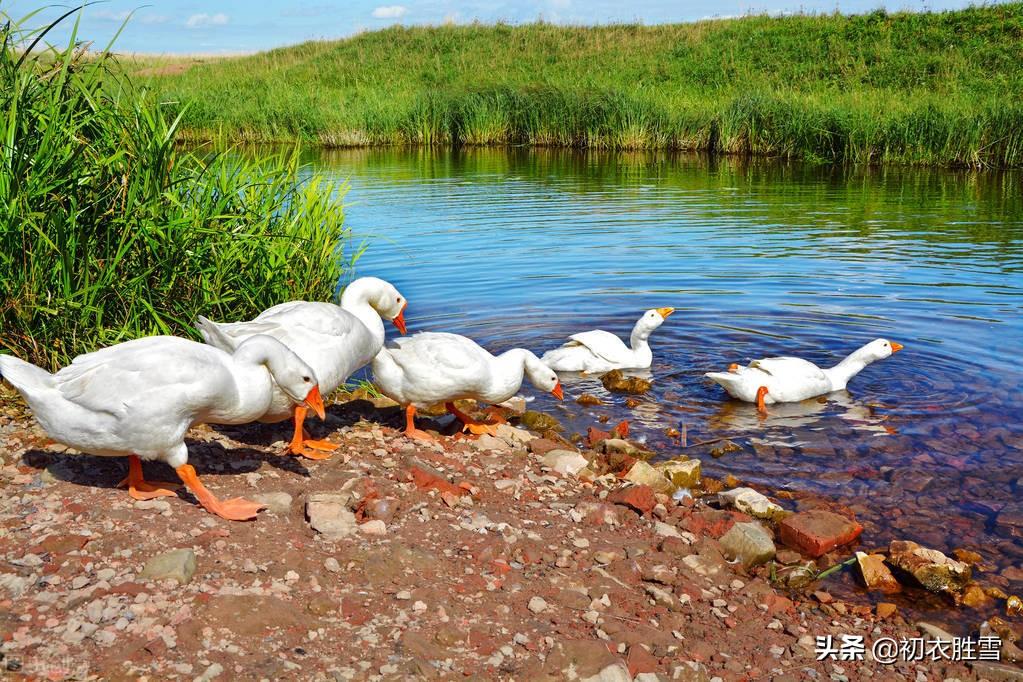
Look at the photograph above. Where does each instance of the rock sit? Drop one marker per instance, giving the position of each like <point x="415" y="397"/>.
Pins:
<point x="566" y="462"/>
<point x="382" y="508"/>
<point x="14" y="584"/>
<point x="932" y="569"/>
<point x="537" y="604"/>
<point x="682" y="472"/>
<point x="748" y="542"/>
<point x="513" y="436"/>
<point x="666" y="530"/>
<point x="875" y="574"/>
<point x="616" y="382"/>
<point x="178" y="564"/>
<point x="616" y="672"/>
<point x="637" y="497"/>
<point x="589" y="399"/>
<point x="276" y="502"/>
<point x="1014" y="606"/>
<point x="967" y="556"/>
<point x="932" y="632"/>
<point x="996" y="672"/>
<point x="541" y="446"/>
<point x="640" y="660"/>
<point x="488" y="442"/>
<point x="724" y="449"/>
<point x="610" y="446"/>
<point x="374" y="527"/>
<point x="701" y="565"/>
<point x="817" y="532"/>
<point x="749" y="501"/>
<point x="974" y="596"/>
<point x="797" y="575"/>
<point x="329" y="515"/>
<point x="540" y="422"/>
<point x="689" y="671"/>
<point x="642" y="473"/>
<point x="1008" y="649"/>
<point x="885" y="610"/>
<point x="332" y="565"/>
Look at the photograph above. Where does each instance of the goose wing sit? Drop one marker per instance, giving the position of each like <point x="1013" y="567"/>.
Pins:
<point x="789" y="369"/>
<point x="111" y="380"/>
<point x="602" y="344"/>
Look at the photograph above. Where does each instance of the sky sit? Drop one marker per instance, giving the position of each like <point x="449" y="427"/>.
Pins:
<point x="242" y="26"/>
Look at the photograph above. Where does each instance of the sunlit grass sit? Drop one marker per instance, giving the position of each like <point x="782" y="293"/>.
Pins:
<point x="924" y="88"/>
<point x="109" y="231"/>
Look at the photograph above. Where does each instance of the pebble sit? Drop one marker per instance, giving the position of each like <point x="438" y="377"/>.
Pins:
<point x="374" y="527"/>
<point x="332" y="565"/>
<point x="537" y="604"/>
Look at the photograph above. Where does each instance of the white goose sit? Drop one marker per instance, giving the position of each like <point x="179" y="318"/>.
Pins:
<point x="788" y="380"/>
<point x="138" y="399"/>
<point x="430" y="368"/>
<point x="335" y="341"/>
<point x="601" y="351"/>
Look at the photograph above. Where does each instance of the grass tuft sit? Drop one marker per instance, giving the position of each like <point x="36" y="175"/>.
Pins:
<point x="109" y="231"/>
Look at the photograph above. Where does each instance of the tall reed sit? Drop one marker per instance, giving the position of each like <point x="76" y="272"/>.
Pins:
<point x="109" y="231"/>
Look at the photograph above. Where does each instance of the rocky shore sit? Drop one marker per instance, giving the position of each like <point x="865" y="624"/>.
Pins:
<point x="518" y="555"/>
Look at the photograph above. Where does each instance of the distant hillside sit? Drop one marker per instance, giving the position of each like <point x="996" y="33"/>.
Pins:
<point x="938" y="88"/>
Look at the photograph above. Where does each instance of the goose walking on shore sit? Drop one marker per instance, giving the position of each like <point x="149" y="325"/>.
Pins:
<point x="336" y="340"/>
<point x="431" y="368"/>
<point x="138" y="399"/>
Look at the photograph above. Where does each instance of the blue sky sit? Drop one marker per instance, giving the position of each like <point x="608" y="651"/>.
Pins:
<point x="233" y="26"/>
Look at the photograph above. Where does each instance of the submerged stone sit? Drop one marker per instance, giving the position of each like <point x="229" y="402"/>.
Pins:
<point x="929" y="567"/>
<point x="616" y="382"/>
<point x="817" y="532"/>
<point x="682" y="472"/>
<point x="875" y="573"/>
<point x="540" y="422"/>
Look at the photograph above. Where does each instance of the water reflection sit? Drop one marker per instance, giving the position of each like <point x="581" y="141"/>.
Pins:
<point x="526" y="247"/>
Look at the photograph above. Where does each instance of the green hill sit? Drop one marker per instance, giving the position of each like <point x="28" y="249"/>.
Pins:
<point x="933" y="88"/>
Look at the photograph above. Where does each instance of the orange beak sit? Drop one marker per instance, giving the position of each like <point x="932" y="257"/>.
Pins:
<point x="557" y="392"/>
<point x="896" y="347"/>
<point x="315" y="402"/>
<point x="664" y="312"/>
<point x="399" y="320"/>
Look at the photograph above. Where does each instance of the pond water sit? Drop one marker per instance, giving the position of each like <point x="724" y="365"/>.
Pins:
<point x="523" y="248"/>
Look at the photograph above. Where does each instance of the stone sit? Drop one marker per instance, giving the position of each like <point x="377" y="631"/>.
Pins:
<point x="537" y="604"/>
<point x="619" y="446"/>
<point x="996" y="672"/>
<point x="374" y="527"/>
<point x="932" y="632"/>
<point x="276" y="502"/>
<point x="540" y="422"/>
<point x="885" y="610"/>
<point x="683" y="473"/>
<point x="929" y="567"/>
<point x="642" y="473"/>
<point x="1008" y="650"/>
<point x="875" y="574"/>
<point x="488" y="442"/>
<point x="640" y="498"/>
<point x="566" y="462"/>
<point x="332" y="565"/>
<point x="541" y="446"/>
<point x="666" y="530"/>
<point x="329" y="515"/>
<point x="749" y="501"/>
<point x="817" y="532"/>
<point x="974" y="596"/>
<point x="589" y="399"/>
<point x="178" y="564"/>
<point x="514" y="436"/>
<point x="640" y="660"/>
<point x="615" y="381"/>
<point x="749" y="543"/>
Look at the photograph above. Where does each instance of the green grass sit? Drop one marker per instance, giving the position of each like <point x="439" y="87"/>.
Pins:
<point x="920" y="88"/>
<point x="108" y="231"/>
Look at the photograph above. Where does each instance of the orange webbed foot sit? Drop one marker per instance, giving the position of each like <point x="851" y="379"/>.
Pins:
<point x="479" y="428"/>
<point x="235" y="509"/>
<point x="141" y="489"/>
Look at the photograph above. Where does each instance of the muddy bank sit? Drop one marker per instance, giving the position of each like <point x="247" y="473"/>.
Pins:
<point x="509" y="556"/>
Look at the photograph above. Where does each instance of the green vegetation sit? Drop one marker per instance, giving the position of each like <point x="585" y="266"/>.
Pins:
<point x="934" y="88"/>
<point x="108" y="231"/>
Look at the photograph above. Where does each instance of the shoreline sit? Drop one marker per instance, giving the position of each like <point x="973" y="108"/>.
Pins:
<point x="397" y="559"/>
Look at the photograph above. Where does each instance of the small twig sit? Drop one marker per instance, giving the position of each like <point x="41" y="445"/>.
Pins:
<point x="835" y="569"/>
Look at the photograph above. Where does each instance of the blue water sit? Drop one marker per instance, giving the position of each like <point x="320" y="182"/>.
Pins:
<point x="523" y="248"/>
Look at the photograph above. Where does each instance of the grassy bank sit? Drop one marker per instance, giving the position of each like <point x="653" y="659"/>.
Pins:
<point x="109" y="231"/>
<point x="941" y="88"/>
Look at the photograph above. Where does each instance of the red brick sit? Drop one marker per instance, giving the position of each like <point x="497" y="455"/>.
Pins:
<point x="817" y="531"/>
<point x="637" y="497"/>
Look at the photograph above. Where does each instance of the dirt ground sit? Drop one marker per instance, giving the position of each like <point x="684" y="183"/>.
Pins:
<point x="458" y="559"/>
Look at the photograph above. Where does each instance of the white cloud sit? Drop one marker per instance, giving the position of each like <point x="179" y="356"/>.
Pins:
<point x="390" y="12"/>
<point x="205" y="20"/>
<point x="107" y="15"/>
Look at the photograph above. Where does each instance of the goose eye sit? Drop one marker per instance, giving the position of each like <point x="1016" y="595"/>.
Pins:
<point x="306" y="379"/>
